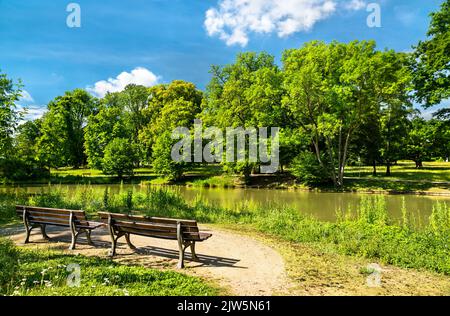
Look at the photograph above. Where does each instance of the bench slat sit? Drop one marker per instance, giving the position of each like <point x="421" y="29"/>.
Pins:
<point x="148" y="226"/>
<point x="140" y="218"/>
<point x="49" y="210"/>
<point x="148" y="233"/>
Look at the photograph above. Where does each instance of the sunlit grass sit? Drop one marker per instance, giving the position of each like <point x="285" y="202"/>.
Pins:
<point x="405" y="170"/>
<point x="44" y="272"/>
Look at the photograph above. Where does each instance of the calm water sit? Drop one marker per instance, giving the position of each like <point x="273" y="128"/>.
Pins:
<point x="323" y="206"/>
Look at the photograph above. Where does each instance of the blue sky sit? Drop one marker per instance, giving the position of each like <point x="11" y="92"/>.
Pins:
<point x="162" y="40"/>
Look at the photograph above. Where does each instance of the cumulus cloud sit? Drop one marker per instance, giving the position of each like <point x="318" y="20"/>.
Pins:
<point x="139" y="75"/>
<point x="233" y="20"/>
<point x="33" y="112"/>
<point x="355" y="5"/>
<point x="26" y="97"/>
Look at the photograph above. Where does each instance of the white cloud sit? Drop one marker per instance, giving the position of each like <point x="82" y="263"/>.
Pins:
<point x="355" y="5"/>
<point x="233" y="20"/>
<point x="139" y="75"/>
<point x="26" y="97"/>
<point x="31" y="112"/>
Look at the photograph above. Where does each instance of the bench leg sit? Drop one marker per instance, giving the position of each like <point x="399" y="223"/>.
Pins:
<point x="194" y="255"/>
<point x="112" y="252"/>
<point x="28" y="231"/>
<point x="127" y="238"/>
<point x="74" y="240"/>
<point x="44" y="234"/>
<point x="114" y="239"/>
<point x="181" y="255"/>
<point x="88" y="237"/>
<point x="180" y="264"/>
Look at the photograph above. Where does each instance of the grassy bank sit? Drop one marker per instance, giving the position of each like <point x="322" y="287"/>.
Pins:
<point x="32" y="272"/>
<point x="370" y="233"/>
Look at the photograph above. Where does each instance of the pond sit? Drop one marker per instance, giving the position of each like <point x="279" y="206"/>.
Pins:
<point x="322" y="206"/>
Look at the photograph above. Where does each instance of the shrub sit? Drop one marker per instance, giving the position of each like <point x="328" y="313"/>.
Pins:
<point x="307" y="169"/>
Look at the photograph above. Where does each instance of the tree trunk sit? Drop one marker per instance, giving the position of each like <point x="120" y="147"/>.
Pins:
<point x="374" y="165"/>
<point x="388" y="169"/>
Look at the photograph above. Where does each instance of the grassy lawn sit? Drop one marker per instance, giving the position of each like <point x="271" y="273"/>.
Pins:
<point x="44" y="272"/>
<point x="405" y="170"/>
<point x="316" y="269"/>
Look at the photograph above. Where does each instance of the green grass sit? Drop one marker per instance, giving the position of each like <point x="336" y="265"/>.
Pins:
<point x="224" y="181"/>
<point x="370" y="233"/>
<point x="405" y="171"/>
<point x="46" y="273"/>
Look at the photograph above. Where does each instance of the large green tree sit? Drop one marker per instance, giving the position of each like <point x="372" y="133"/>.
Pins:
<point x="170" y="106"/>
<point x="10" y="93"/>
<point x="432" y="65"/>
<point x="109" y="122"/>
<point x="332" y="89"/>
<point x="245" y="94"/>
<point x="62" y="140"/>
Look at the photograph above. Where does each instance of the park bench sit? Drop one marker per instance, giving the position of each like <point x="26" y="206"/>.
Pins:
<point x="34" y="217"/>
<point x="186" y="232"/>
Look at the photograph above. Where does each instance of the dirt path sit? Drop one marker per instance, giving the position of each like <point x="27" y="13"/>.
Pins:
<point x="240" y="264"/>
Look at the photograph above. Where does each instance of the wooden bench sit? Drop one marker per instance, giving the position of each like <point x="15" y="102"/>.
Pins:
<point x="186" y="232"/>
<point x="34" y="217"/>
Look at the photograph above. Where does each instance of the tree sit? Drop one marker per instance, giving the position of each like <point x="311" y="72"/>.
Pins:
<point x="163" y="163"/>
<point x="25" y="141"/>
<point x="62" y="140"/>
<point x="107" y="124"/>
<point x="432" y="60"/>
<point x="441" y="145"/>
<point x="119" y="157"/>
<point x="135" y="99"/>
<point x="394" y="126"/>
<point x="170" y="106"/>
<point x="333" y="89"/>
<point x="10" y="93"/>
<point x="245" y="94"/>
<point x="420" y="141"/>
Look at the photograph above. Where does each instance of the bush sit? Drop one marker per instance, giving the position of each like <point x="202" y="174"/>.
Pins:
<point x="16" y="169"/>
<point x="119" y="157"/>
<point x="8" y="264"/>
<point x="307" y="169"/>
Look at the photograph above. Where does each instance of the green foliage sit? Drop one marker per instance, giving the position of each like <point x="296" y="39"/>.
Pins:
<point x="244" y="94"/>
<point x="224" y="181"/>
<point x="109" y="123"/>
<point x="307" y="169"/>
<point x="420" y="141"/>
<point x="9" y="265"/>
<point x="119" y="157"/>
<point x="62" y="131"/>
<point x="10" y="92"/>
<point x="431" y="66"/>
<point x="45" y="273"/>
